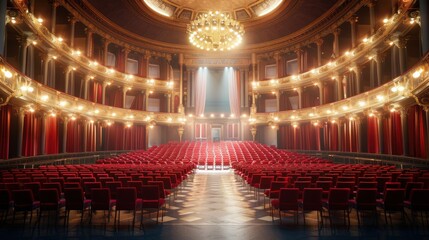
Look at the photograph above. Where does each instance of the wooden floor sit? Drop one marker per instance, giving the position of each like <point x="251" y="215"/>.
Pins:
<point x="214" y="205"/>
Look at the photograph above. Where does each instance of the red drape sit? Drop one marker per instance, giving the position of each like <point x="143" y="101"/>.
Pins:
<point x="372" y="135"/>
<point x="115" y="137"/>
<point x="74" y="137"/>
<point x="114" y="97"/>
<point x="51" y="135"/>
<point x="329" y="93"/>
<point x="91" y="137"/>
<point x="387" y="135"/>
<point x="95" y="93"/>
<point x="31" y="135"/>
<point x="135" y="137"/>
<point x="396" y="134"/>
<point x="286" y="136"/>
<point x="333" y="136"/>
<point x="416" y="132"/>
<point x="120" y="60"/>
<point x="4" y="131"/>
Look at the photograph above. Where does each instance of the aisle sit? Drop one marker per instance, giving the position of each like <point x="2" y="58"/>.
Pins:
<point x="216" y="198"/>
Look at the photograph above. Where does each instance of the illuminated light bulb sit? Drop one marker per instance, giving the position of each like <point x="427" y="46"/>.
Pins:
<point x="222" y="115"/>
<point x="212" y="115"/>
<point x="80" y="107"/>
<point x="394" y="89"/>
<point x="333" y="121"/>
<point x="113" y="114"/>
<point x="44" y="98"/>
<point x="294" y="125"/>
<point x="311" y="114"/>
<point x="380" y="98"/>
<point x="129" y="125"/>
<point x="276" y="119"/>
<point x="73" y="118"/>
<point x="190" y="115"/>
<point x="109" y="124"/>
<point x="91" y="121"/>
<point x="31" y="110"/>
<point x="60" y="39"/>
<point x="13" y="20"/>
<point x="53" y="114"/>
<point x="365" y="40"/>
<point x="328" y="111"/>
<point x="385" y="20"/>
<point x="150" y="126"/>
<point x="201" y="115"/>
<point x="371" y="114"/>
<point x="345" y="108"/>
<point x="417" y="73"/>
<point x="40" y="20"/>
<point x="7" y="73"/>
<point x="96" y="111"/>
<point x="361" y="103"/>
<point x="63" y="103"/>
<point x="315" y="123"/>
<point x="169" y="119"/>
<point x="34" y="42"/>
<point x="54" y="57"/>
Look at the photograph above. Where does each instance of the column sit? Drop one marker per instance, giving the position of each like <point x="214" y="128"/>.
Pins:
<point x="64" y="146"/>
<point x="3" y="7"/>
<point x="379" y="65"/>
<point x="181" y="108"/>
<point x="358" y="74"/>
<point x="46" y="60"/>
<point x="339" y="87"/>
<point x="180" y="131"/>
<point x="299" y="91"/>
<point x="424" y="26"/>
<point x="253" y="130"/>
<point x="106" y="43"/>
<point x="336" y="43"/>
<point x="401" y="44"/>
<point x="371" y="6"/>
<point x="404" y="128"/>
<point x="25" y="43"/>
<point x="67" y="80"/>
<point x="169" y="102"/>
<point x="278" y="100"/>
<point x="43" y="132"/>
<point x="55" y="4"/>
<point x="103" y="98"/>
<point x="321" y="91"/>
<point x="72" y="31"/>
<point x="124" y="95"/>
<point x="319" y="43"/>
<point x="253" y="107"/>
<point x="146" y="100"/>
<point x="353" y="20"/>
<point x="89" y="42"/>
<point x="372" y="72"/>
<point x="21" y="114"/>
<point x="86" y="88"/>
<point x="277" y="57"/>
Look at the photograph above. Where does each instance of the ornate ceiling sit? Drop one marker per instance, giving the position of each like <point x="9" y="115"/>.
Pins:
<point x="136" y="19"/>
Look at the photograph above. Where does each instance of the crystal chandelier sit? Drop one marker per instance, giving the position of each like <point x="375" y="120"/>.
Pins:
<point x="215" y="31"/>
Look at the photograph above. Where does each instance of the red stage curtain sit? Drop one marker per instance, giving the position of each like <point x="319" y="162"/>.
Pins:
<point x="297" y="143"/>
<point x="4" y="131"/>
<point x="31" y="135"/>
<point x="51" y="135"/>
<point x="372" y="137"/>
<point x="287" y="136"/>
<point x="115" y="137"/>
<point x="387" y="146"/>
<point x="91" y="137"/>
<point x="95" y="93"/>
<point x="354" y="136"/>
<point x="284" y="102"/>
<point x="396" y="133"/>
<point x="329" y="93"/>
<point x="135" y="137"/>
<point x="333" y="136"/>
<point x="114" y="97"/>
<point x="416" y="132"/>
<point x="74" y="137"/>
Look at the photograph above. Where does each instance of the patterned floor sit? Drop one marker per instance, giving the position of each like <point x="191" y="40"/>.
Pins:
<point x="213" y="205"/>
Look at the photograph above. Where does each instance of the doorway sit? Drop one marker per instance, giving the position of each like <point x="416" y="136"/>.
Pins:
<point x="216" y="134"/>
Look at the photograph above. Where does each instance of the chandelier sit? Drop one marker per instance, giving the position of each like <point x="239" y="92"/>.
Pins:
<point x="215" y="31"/>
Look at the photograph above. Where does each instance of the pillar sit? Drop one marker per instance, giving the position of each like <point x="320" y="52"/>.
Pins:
<point x="319" y="43"/>
<point x="25" y="43"/>
<point x="404" y="128"/>
<point x="103" y="97"/>
<point x="353" y="20"/>
<point x="72" y="31"/>
<point x="253" y="130"/>
<point x="46" y="61"/>
<point x="321" y="91"/>
<point x="105" y="51"/>
<point x="379" y="65"/>
<point x="336" y="43"/>
<point x="126" y="52"/>
<point x="278" y="100"/>
<point x="358" y="120"/>
<point x="401" y="43"/>
<point x="168" y="102"/>
<point x="55" y="4"/>
<point x="298" y="53"/>
<point x="299" y="91"/>
<point x="89" y="42"/>
<point x="356" y="69"/>
<point x="253" y="107"/>
<point x="67" y="80"/>
<point x="146" y="100"/>
<point x="180" y="131"/>
<point x="86" y="88"/>
<point x="181" y="108"/>
<point x="124" y="95"/>
<point x="339" y="87"/>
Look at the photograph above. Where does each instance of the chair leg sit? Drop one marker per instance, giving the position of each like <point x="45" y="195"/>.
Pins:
<point x="280" y="216"/>
<point x="357" y="214"/>
<point x="385" y="216"/>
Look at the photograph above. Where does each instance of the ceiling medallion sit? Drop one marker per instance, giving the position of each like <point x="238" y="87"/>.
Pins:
<point x="215" y="31"/>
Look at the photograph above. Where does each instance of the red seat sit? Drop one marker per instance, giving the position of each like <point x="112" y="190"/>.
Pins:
<point x="312" y="201"/>
<point x="338" y="199"/>
<point x="393" y="201"/>
<point x="287" y="201"/>
<point x="151" y="199"/>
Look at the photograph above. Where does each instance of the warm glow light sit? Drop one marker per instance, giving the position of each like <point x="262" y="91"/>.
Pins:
<point x="212" y="115"/>
<point x="361" y="103"/>
<point x="63" y="103"/>
<point x="7" y="73"/>
<point x="215" y="31"/>
<point x="44" y="98"/>
<point x="417" y="73"/>
<point x="380" y="98"/>
<point x="27" y="88"/>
